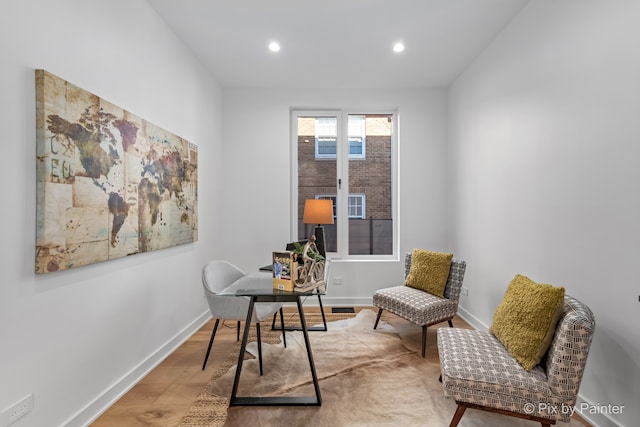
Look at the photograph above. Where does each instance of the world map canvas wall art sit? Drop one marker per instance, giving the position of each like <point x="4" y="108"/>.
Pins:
<point x="109" y="184"/>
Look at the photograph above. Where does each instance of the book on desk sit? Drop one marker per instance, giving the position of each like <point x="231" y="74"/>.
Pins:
<point x="283" y="269"/>
<point x="287" y="274"/>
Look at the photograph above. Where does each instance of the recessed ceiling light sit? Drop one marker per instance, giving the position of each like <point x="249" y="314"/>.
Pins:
<point x="398" y="47"/>
<point x="274" y="47"/>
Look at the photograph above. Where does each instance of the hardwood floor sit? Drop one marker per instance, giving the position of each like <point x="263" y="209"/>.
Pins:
<point x="165" y="395"/>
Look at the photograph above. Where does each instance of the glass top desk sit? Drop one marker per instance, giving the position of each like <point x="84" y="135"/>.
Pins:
<point x="259" y="288"/>
<point x="269" y="269"/>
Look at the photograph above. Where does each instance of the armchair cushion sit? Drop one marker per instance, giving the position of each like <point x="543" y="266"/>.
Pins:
<point x="415" y="305"/>
<point x="526" y="319"/>
<point x="429" y="271"/>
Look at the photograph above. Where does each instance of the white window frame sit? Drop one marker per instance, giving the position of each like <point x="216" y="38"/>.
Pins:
<point x="342" y="182"/>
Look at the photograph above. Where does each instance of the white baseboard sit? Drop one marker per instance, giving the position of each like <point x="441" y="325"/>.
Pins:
<point x="472" y="320"/>
<point x="595" y="419"/>
<point x="100" y="404"/>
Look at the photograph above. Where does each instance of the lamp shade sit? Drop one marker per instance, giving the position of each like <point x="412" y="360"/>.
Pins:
<point x="318" y="211"/>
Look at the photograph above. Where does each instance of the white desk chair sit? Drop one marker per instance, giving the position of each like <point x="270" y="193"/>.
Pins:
<point x="218" y="275"/>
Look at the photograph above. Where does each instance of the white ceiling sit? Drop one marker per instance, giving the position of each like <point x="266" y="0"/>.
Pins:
<point x="337" y="43"/>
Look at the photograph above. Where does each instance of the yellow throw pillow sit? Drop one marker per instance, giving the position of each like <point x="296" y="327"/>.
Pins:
<point x="429" y="271"/>
<point x="526" y="319"/>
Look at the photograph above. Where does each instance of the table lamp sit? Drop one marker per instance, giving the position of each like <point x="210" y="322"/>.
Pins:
<point x="318" y="211"/>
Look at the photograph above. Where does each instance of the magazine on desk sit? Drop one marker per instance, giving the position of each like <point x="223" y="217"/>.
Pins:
<point x="290" y="275"/>
<point x="283" y="265"/>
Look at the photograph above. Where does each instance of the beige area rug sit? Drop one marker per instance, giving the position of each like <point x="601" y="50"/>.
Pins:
<point x="367" y="378"/>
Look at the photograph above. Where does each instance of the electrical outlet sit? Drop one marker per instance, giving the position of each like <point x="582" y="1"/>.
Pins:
<point x="18" y="410"/>
<point x="465" y="291"/>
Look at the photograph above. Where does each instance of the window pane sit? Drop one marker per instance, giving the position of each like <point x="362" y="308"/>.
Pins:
<point x="356" y="206"/>
<point x="355" y="146"/>
<point x="356" y="125"/>
<point x="326" y="136"/>
<point x="326" y="146"/>
<point x="366" y="223"/>
<point x="357" y="132"/>
<point x="326" y="126"/>
<point x="371" y="226"/>
<point x="317" y="137"/>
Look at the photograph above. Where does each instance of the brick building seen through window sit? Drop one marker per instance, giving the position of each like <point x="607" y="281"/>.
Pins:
<point x="369" y="197"/>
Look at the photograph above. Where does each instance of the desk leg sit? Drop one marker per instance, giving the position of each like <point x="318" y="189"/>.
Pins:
<point x="324" y="319"/>
<point x="309" y="355"/>
<point x="243" y="346"/>
<point x="275" y="400"/>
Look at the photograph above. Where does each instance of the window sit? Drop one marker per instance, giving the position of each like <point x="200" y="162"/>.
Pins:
<point x="355" y="207"/>
<point x="357" y="137"/>
<point x="349" y="159"/>
<point x="327" y="137"/>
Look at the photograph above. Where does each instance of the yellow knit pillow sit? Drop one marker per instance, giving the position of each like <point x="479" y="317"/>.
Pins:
<point x="429" y="271"/>
<point x="526" y="319"/>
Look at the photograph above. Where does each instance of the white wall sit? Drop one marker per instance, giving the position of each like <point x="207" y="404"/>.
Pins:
<point x="258" y="184"/>
<point x="78" y="338"/>
<point x="544" y="130"/>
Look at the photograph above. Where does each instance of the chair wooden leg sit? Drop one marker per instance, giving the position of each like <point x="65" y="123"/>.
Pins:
<point x="284" y="333"/>
<point x="377" y="318"/>
<point x="457" y="416"/>
<point x="450" y="323"/>
<point x="424" y="340"/>
<point x="545" y="422"/>
<point x="238" y="332"/>
<point x="213" y="335"/>
<point x="259" y="347"/>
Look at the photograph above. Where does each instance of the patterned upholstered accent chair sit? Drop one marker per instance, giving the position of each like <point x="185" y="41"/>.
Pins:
<point x="421" y="307"/>
<point x="479" y="373"/>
